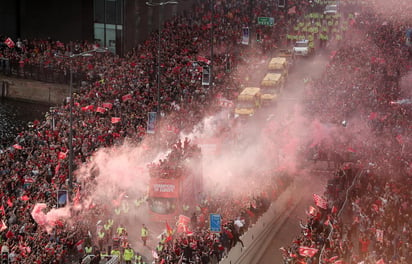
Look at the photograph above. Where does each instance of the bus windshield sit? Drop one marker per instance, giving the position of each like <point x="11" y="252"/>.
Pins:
<point x="162" y="205"/>
<point x="269" y="91"/>
<point x="245" y="104"/>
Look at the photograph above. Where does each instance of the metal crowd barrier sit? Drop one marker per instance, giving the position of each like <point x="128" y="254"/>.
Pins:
<point x="37" y="72"/>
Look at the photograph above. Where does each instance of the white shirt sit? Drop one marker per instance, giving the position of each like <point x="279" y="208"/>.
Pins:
<point x="239" y="223"/>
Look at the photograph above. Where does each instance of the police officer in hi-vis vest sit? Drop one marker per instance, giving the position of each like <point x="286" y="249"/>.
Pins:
<point x="144" y="233"/>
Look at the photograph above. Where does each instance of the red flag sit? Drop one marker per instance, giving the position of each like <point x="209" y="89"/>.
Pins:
<point x="169" y="232"/>
<point x="307" y="251"/>
<point x="176" y="69"/>
<point x="320" y="202"/>
<point x="115" y="120"/>
<point x="379" y="235"/>
<point x="100" y="109"/>
<point x="312" y="211"/>
<point x="56" y="170"/>
<point x="381" y="261"/>
<point x="226" y="103"/>
<point x="25" y="198"/>
<point x="17" y="146"/>
<point x="79" y="246"/>
<point x="250" y="213"/>
<point x="333" y="259"/>
<point x="28" y="180"/>
<point x="119" y="199"/>
<point x="183" y="224"/>
<point x="292" y="10"/>
<point x="3" y="226"/>
<point x="59" y="44"/>
<point x="171" y="128"/>
<point x="88" y="108"/>
<point x="9" y="202"/>
<point x="61" y="155"/>
<point x="76" y="198"/>
<point x="203" y="59"/>
<point x="107" y="105"/>
<point x="373" y="115"/>
<point x="334" y="209"/>
<point x="154" y="254"/>
<point x="399" y="138"/>
<point x="126" y="97"/>
<point x="180" y="259"/>
<point x="9" y="42"/>
<point x="351" y="150"/>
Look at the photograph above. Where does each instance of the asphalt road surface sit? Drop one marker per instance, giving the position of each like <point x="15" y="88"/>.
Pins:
<point x="303" y="68"/>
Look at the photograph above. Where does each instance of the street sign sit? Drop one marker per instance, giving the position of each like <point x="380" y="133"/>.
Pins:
<point x="62" y="198"/>
<point x="151" y="122"/>
<point x="245" y="36"/>
<point x="266" y="21"/>
<point x="215" y="222"/>
<point x="206" y="75"/>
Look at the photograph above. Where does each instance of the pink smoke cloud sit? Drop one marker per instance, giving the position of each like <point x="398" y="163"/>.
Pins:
<point x="50" y="219"/>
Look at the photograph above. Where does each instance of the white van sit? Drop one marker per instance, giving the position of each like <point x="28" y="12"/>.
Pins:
<point x="330" y="10"/>
<point x="301" y="48"/>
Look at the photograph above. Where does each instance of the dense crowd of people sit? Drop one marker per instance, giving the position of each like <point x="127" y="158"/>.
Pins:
<point x="116" y="94"/>
<point x="194" y="242"/>
<point x="111" y="104"/>
<point x="364" y="217"/>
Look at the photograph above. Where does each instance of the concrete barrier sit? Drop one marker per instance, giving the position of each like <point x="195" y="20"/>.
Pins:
<point x="257" y="238"/>
<point x="33" y="91"/>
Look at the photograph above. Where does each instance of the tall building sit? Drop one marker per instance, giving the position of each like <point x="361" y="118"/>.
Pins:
<point x="116" y="24"/>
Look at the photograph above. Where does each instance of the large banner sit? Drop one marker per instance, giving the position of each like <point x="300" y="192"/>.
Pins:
<point x="164" y="188"/>
<point x="245" y="36"/>
<point x="151" y="122"/>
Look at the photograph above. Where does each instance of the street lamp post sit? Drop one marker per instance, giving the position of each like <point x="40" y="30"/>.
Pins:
<point x="155" y="4"/>
<point x="212" y="42"/>
<point x="88" y="53"/>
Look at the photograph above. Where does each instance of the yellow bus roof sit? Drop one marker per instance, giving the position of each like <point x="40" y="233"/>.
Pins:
<point x="271" y="79"/>
<point x="250" y="91"/>
<point x="278" y="60"/>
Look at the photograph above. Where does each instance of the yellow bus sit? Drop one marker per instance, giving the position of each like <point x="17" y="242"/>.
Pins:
<point x="279" y="65"/>
<point x="248" y="101"/>
<point x="271" y="87"/>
